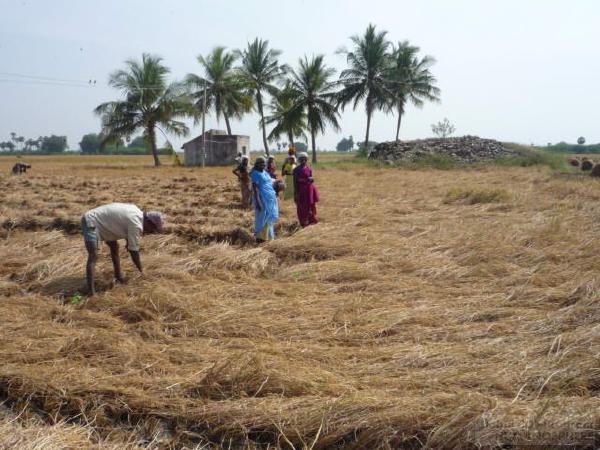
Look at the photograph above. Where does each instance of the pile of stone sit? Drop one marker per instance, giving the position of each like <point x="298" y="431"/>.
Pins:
<point x="465" y="149"/>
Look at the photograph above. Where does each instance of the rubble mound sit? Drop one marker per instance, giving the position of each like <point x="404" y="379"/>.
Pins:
<point x="465" y="149"/>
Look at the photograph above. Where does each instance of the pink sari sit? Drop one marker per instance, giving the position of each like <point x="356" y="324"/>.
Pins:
<point x="305" y="195"/>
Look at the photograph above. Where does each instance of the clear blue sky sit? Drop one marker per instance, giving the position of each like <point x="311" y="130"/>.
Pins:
<point x="524" y="71"/>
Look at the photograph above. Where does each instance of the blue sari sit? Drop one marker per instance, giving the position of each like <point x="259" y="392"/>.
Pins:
<point x="268" y="215"/>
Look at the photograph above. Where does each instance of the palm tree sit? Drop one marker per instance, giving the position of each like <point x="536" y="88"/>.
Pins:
<point x="150" y="103"/>
<point x="287" y="121"/>
<point x="365" y="79"/>
<point x="410" y="79"/>
<point x="224" y="89"/>
<point x="260" y="72"/>
<point x="312" y="92"/>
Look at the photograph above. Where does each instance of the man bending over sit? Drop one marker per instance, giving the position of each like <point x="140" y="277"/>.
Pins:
<point x="110" y="223"/>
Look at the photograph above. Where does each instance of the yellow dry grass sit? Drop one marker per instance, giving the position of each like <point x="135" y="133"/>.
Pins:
<point x="428" y="309"/>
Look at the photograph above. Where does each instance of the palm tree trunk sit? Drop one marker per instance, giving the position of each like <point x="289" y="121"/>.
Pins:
<point x="369" y="112"/>
<point x="227" y="124"/>
<point x="262" y="121"/>
<point x="290" y="138"/>
<point x="314" y="147"/>
<point x="398" y="126"/>
<point x="152" y="142"/>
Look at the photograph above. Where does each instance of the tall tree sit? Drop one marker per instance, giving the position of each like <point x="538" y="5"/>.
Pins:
<point x="90" y="143"/>
<point x="365" y="77"/>
<point x="410" y="79"/>
<point x="224" y="89"/>
<point x="7" y="145"/>
<point x="150" y="103"/>
<point x="288" y="121"/>
<point x="312" y="91"/>
<point x="21" y="141"/>
<point x="54" y="144"/>
<point x="345" y="145"/>
<point x="260" y="71"/>
<point x="31" y="144"/>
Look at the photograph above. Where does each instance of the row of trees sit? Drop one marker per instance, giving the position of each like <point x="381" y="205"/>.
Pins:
<point x="43" y="144"/>
<point x="91" y="144"/>
<point x="381" y="75"/>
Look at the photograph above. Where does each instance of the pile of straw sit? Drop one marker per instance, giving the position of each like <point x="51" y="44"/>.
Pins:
<point x="446" y="309"/>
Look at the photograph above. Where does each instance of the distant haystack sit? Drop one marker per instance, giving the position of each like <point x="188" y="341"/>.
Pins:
<point x="595" y="172"/>
<point x="587" y="164"/>
<point x="574" y="162"/>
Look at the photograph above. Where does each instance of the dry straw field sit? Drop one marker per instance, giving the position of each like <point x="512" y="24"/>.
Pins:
<point x="429" y="309"/>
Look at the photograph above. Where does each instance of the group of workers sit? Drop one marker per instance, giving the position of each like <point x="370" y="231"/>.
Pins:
<point x="260" y="188"/>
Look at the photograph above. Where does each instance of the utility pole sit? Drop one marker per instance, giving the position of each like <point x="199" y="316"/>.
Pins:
<point x="203" y="131"/>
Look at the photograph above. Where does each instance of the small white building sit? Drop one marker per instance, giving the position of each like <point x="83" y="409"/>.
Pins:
<point x="221" y="148"/>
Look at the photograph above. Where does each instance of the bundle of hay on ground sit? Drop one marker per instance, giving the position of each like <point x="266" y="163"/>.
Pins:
<point x="595" y="172"/>
<point x="586" y="164"/>
<point x="574" y="162"/>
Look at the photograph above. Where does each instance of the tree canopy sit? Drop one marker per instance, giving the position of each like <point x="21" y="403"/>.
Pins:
<point x="308" y="99"/>
<point x="90" y="143"/>
<point x="260" y="73"/>
<point x="312" y="92"/>
<point x="365" y="79"/>
<point x="223" y="86"/>
<point x="150" y="103"/>
<point x="345" y="145"/>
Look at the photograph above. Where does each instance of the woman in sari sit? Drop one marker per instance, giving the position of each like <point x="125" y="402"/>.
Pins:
<point x="264" y="199"/>
<point x="287" y="172"/>
<point x="241" y="172"/>
<point x="271" y="168"/>
<point x="306" y="195"/>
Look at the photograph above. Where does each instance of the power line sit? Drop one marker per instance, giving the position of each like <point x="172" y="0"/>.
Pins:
<point x="35" y="77"/>
<point x="22" y="78"/>
<point x="40" y="82"/>
<point x="90" y="83"/>
<point x="32" y="79"/>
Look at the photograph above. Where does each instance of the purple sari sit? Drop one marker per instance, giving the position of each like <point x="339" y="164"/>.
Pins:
<point x="305" y="195"/>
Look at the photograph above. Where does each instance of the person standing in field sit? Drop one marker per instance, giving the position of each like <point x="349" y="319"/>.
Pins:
<point x="241" y="172"/>
<point x="271" y="168"/>
<point x="264" y="198"/>
<point x="306" y="195"/>
<point x="287" y="172"/>
<point x="20" y="168"/>
<point x="110" y="223"/>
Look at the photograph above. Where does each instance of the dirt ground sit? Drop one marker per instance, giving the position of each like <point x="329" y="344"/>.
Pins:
<point x="427" y="309"/>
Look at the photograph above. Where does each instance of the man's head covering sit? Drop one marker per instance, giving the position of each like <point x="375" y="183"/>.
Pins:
<point x="302" y="155"/>
<point x="272" y="157"/>
<point x="157" y="219"/>
<point x="259" y="159"/>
